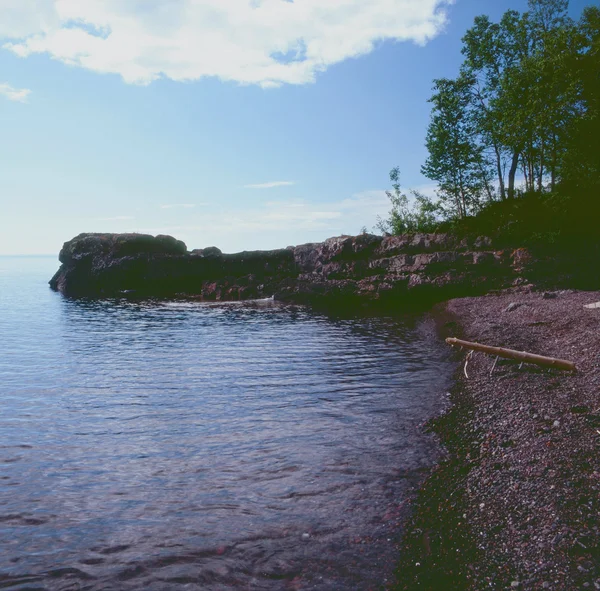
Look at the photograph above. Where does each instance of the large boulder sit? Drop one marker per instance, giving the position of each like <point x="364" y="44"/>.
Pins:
<point x="119" y="245"/>
<point x="106" y="264"/>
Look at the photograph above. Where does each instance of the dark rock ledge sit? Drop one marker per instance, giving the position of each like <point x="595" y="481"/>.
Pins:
<point x="411" y="268"/>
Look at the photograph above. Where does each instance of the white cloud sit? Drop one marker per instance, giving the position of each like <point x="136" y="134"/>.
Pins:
<point x="178" y="206"/>
<point x="270" y="185"/>
<point x="14" y="94"/>
<point x="265" y="42"/>
<point x="116" y="218"/>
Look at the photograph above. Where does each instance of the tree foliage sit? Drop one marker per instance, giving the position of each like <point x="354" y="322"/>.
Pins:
<point x="456" y="159"/>
<point x="419" y="216"/>
<point x="522" y="116"/>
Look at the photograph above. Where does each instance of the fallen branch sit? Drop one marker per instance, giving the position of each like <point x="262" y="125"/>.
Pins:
<point x="469" y="355"/>
<point x="518" y="355"/>
<point x="494" y="366"/>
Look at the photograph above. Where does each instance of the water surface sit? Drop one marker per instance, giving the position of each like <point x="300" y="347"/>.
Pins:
<point x="176" y="445"/>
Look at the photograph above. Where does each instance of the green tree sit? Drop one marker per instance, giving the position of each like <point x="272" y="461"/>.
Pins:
<point x="456" y="159"/>
<point x="404" y="217"/>
<point x="544" y="90"/>
<point x="492" y="52"/>
<point x="525" y="90"/>
<point x="527" y="98"/>
<point x="581" y="162"/>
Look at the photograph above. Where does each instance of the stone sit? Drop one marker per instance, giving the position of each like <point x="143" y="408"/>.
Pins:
<point x="411" y="270"/>
<point x="209" y="251"/>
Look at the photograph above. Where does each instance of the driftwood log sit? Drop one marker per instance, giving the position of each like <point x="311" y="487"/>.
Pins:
<point x="517" y="355"/>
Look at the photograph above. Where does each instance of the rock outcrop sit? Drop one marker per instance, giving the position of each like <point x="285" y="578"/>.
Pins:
<point x="417" y="268"/>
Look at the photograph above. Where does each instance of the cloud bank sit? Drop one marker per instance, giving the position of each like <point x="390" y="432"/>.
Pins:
<point x="264" y="42"/>
<point x="14" y="94"/>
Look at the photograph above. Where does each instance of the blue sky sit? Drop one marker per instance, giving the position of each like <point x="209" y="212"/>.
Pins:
<point x="244" y="124"/>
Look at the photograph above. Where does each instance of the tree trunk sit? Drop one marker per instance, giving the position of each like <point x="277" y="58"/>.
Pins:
<point x="486" y="183"/>
<point x="531" y="173"/>
<point x="553" y="169"/>
<point x="511" y="174"/>
<point x="517" y="355"/>
<point x="500" y="174"/>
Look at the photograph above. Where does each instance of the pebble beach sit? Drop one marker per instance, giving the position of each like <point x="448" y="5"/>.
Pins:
<point x="515" y="502"/>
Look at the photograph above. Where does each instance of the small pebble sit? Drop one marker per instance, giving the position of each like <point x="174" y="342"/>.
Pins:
<point x="515" y="584"/>
<point x="556" y="424"/>
<point x="305" y="536"/>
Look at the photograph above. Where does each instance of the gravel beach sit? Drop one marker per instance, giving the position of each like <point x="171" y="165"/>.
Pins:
<point x="515" y="503"/>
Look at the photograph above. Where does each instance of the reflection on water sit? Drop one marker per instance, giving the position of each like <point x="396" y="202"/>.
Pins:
<point x="166" y="445"/>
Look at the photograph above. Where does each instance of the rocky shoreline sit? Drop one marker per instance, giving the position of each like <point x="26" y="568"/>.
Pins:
<point x="515" y="503"/>
<point x="355" y="270"/>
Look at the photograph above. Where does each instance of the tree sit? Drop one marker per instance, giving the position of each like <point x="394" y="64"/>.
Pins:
<point x="422" y="216"/>
<point x="544" y="90"/>
<point x="581" y="162"/>
<point x="527" y="97"/>
<point x="456" y="160"/>
<point x="525" y="90"/>
<point x="492" y="52"/>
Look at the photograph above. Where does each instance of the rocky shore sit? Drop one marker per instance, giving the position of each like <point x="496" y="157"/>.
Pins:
<point x="515" y="504"/>
<point x="353" y="269"/>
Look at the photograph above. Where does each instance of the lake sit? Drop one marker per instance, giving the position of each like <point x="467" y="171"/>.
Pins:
<point x="183" y="445"/>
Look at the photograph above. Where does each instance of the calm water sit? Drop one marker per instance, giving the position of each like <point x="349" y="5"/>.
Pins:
<point x="190" y="446"/>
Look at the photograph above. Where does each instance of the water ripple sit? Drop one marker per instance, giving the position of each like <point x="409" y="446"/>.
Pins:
<point x="153" y="445"/>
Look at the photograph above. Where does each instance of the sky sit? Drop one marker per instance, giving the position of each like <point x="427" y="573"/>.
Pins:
<point x="241" y="124"/>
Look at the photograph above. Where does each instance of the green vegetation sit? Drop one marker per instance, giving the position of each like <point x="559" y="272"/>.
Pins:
<point x="420" y="217"/>
<point x="514" y="140"/>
